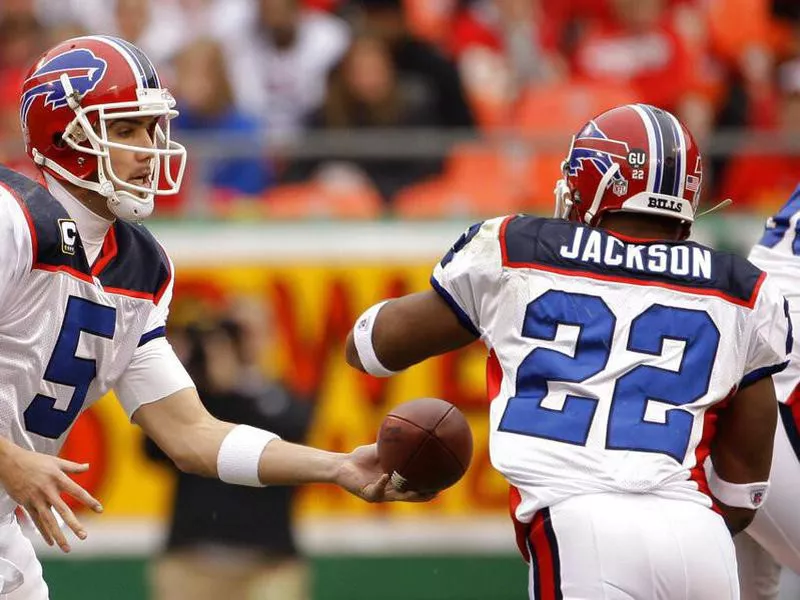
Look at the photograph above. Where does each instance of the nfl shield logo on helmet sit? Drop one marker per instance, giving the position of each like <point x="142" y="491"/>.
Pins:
<point x="81" y="66"/>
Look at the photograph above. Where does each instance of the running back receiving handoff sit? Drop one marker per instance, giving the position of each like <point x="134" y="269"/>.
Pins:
<point x="628" y="369"/>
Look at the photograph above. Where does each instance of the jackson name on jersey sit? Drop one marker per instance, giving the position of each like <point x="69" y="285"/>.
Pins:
<point x="590" y="246"/>
<point x="608" y="356"/>
<point x="68" y="330"/>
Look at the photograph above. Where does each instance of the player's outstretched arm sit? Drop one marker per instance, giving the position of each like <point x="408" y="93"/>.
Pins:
<point x="741" y="451"/>
<point x="410" y="329"/>
<point x="199" y="443"/>
<point x="36" y="481"/>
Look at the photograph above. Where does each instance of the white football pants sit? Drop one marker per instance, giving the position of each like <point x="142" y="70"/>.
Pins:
<point x="20" y="570"/>
<point x="631" y="547"/>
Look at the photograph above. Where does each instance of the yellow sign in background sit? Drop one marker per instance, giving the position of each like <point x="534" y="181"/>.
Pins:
<point x="312" y="305"/>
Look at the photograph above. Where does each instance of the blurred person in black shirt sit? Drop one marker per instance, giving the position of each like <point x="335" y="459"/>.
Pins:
<point x="232" y="541"/>
<point x="788" y="10"/>
<point x="421" y="67"/>
<point x="364" y="94"/>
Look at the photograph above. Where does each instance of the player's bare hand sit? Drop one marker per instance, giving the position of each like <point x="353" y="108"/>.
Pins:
<point x="36" y="481"/>
<point x="360" y="474"/>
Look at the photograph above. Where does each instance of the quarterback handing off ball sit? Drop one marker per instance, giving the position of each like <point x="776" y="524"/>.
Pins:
<point x="425" y="445"/>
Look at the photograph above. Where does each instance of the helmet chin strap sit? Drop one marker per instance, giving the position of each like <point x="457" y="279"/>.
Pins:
<point x="600" y="192"/>
<point x="564" y="201"/>
<point x="43" y="161"/>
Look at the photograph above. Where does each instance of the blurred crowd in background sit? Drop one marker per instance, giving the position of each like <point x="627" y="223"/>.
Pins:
<point x="434" y="108"/>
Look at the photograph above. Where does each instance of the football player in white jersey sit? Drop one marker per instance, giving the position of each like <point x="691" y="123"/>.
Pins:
<point x="84" y="295"/>
<point x="632" y="408"/>
<point x="773" y="539"/>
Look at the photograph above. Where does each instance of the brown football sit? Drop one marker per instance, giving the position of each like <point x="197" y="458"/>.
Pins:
<point x="425" y="445"/>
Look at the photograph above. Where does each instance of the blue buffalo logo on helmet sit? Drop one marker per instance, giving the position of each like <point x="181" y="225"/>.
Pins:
<point x="594" y="146"/>
<point x="84" y="69"/>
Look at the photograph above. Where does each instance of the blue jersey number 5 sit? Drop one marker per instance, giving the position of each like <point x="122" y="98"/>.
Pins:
<point x="627" y="428"/>
<point x="41" y="416"/>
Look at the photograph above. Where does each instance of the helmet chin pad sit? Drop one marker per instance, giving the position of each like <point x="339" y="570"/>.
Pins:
<point x="128" y="206"/>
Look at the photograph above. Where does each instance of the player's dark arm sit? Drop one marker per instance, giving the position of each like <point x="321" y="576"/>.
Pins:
<point x="742" y="446"/>
<point x="410" y="329"/>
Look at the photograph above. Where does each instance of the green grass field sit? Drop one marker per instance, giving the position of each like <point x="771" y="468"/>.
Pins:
<point x="435" y="577"/>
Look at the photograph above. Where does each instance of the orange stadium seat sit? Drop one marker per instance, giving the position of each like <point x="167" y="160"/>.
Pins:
<point x="541" y="174"/>
<point x="562" y="108"/>
<point x="445" y="198"/>
<point x="432" y="199"/>
<point x="731" y="22"/>
<point x="479" y="180"/>
<point x="316" y="200"/>
<point x="490" y="111"/>
<point x="471" y="160"/>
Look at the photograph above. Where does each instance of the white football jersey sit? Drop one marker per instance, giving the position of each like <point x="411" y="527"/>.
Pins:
<point x="608" y="356"/>
<point x="70" y="332"/>
<point x="778" y="253"/>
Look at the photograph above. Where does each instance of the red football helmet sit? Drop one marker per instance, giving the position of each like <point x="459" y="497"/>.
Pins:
<point x="70" y="95"/>
<point x="635" y="158"/>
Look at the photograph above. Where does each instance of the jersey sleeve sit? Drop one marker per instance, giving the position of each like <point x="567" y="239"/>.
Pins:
<point x="467" y="275"/>
<point x="155" y="371"/>
<point x="783" y="266"/>
<point x="771" y="340"/>
<point x="16" y="244"/>
<point x="156" y="325"/>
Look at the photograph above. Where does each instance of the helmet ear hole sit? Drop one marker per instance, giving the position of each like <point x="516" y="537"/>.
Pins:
<point x="58" y="141"/>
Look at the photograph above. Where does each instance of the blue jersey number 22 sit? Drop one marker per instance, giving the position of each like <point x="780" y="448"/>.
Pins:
<point x="627" y="428"/>
<point x="41" y="416"/>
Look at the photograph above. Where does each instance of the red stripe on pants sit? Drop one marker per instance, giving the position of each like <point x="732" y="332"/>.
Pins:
<point x="794" y="404"/>
<point x="544" y="558"/>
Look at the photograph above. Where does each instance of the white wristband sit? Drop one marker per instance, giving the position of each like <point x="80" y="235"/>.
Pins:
<point x="239" y="455"/>
<point x="739" y="495"/>
<point x="362" y="336"/>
